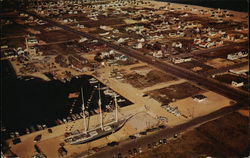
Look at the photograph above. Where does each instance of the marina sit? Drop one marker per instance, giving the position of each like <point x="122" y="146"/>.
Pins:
<point x="68" y="111"/>
<point x="120" y="78"/>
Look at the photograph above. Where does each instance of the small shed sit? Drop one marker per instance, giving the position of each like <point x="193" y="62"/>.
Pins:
<point x="199" y="98"/>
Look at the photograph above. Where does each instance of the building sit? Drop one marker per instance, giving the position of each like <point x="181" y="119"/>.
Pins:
<point x="237" y="55"/>
<point x="181" y="60"/>
<point x="199" y="98"/>
<point x="237" y="84"/>
<point x="158" y="54"/>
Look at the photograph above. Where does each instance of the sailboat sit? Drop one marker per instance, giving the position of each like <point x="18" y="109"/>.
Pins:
<point x="102" y="131"/>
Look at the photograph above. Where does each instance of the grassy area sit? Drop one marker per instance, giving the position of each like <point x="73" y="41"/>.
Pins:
<point x="224" y="137"/>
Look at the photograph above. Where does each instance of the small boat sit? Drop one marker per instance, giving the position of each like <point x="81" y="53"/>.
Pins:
<point x="68" y="79"/>
<point x="86" y="113"/>
<point x="121" y="100"/>
<point x="32" y="129"/>
<point x="108" y="107"/>
<point x="60" y="121"/>
<point x="39" y="127"/>
<point x="69" y="119"/>
<point x="17" y="134"/>
<point x="27" y="131"/>
<point x="57" y="122"/>
<point x="108" y="92"/>
<point x="81" y="114"/>
<point x="19" y="77"/>
<point x="3" y="129"/>
<point x="12" y="134"/>
<point x="78" y="116"/>
<point x="93" y="80"/>
<point x="44" y="126"/>
<point x="64" y="120"/>
<point x="73" y="117"/>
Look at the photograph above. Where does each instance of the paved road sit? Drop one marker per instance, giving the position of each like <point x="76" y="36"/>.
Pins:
<point x="224" y="69"/>
<point x="143" y="141"/>
<point x="198" y="52"/>
<point x="211" y="84"/>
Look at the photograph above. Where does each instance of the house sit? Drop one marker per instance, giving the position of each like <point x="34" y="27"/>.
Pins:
<point x="104" y="34"/>
<point x="203" y="44"/>
<point x="158" y="54"/>
<point x="197" y="41"/>
<point x="82" y="40"/>
<point x="180" y="34"/>
<point x="172" y="34"/>
<point x="4" y="47"/>
<point x="237" y="84"/>
<point x="177" y="44"/>
<point x="181" y="60"/>
<point x="199" y="98"/>
<point x="210" y="44"/>
<point x="120" y="40"/>
<point x="138" y="46"/>
<point x="230" y="37"/>
<point x="222" y="32"/>
<point x="237" y="55"/>
<point x="141" y="40"/>
<point x="80" y="26"/>
<point x="210" y="33"/>
<point x="32" y="51"/>
<point x="32" y="41"/>
<point x="219" y="42"/>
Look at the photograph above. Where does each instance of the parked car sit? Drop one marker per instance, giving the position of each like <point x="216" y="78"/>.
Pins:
<point x="162" y="126"/>
<point x="119" y="155"/>
<point x="164" y="141"/>
<point x="154" y="144"/>
<point x="149" y="146"/>
<point x="130" y="152"/>
<point x="113" y="144"/>
<point x="135" y="151"/>
<point x="96" y="149"/>
<point x="132" y="137"/>
<point x="143" y="133"/>
<point x="140" y="150"/>
<point x="175" y="135"/>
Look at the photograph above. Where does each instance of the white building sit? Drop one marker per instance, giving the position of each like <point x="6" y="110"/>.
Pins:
<point x="199" y="98"/>
<point x="237" y="84"/>
<point x="237" y="55"/>
<point x="181" y="60"/>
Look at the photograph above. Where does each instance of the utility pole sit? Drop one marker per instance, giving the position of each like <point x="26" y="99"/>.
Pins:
<point x="83" y="110"/>
<point x="116" y="108"/>
<point x="100" y="107"/>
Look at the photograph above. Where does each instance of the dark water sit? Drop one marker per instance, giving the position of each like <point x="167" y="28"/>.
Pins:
<point x="27" y="102"/>
<point x="236" y="5"/>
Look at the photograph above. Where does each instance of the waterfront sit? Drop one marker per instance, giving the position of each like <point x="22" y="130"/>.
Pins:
<point x="165" y="92"/>
<point x="31" y="101"/>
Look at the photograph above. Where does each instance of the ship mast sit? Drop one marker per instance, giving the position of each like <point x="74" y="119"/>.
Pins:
<point x="116" y="114"/>
<point x="83" y="110"/>
<point x="100" y="107"/>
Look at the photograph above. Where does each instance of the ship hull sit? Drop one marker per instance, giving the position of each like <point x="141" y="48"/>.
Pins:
<point x="101" y="133"/>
